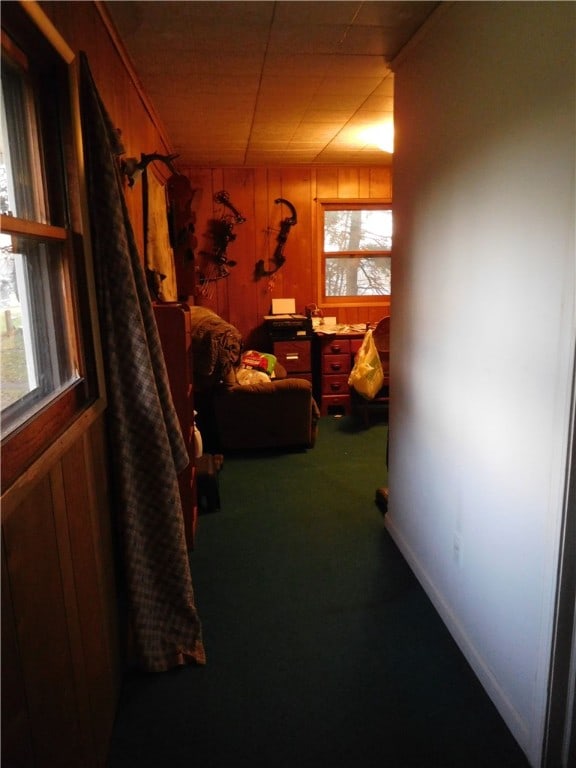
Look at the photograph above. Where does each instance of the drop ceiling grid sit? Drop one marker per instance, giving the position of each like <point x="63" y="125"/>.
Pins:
<point x="268" y="82"/>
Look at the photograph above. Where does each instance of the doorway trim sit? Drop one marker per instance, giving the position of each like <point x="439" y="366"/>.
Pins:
<point x="559" y="750"/>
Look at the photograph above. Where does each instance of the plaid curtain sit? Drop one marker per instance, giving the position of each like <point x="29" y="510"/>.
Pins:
<point x="145" y="442"/>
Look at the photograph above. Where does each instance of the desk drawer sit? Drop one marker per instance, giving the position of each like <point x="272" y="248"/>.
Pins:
<point x="335" y="385"/>
<point x="336" y="347"/>
<point x="335" y="364"/>
<point x="295" y="356"/>
<point x="355" y="345"/>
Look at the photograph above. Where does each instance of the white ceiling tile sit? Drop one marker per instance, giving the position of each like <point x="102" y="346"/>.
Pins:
<point x="316" y="131"/>
<point x="240" y="83"/>
<point x="358" y="66"/>
<point x="315" y="13"/>
<point x="378" y="104"/>
<point x="297" y="64"/>
<point x="361" y="86"/>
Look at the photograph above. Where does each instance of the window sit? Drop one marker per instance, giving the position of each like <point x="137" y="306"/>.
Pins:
<point x="356" y="251"/>
<point x="45" y="360"/>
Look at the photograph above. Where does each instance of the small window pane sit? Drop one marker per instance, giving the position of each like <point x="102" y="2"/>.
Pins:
<point x="22" y="191"/>
<point x="348" y="276"/>
<point x="357" y="230"/>
<point x="35" y="358"/>
<point x="47" y="362"/>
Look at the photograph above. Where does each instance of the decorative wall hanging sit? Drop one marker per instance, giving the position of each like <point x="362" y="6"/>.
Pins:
<point x="182" y="233"/>
<point x="133" y="168"/>
<point x="222" y="233"/>
<point x="278" y="257"/>
<point x="145" y="443"/>
<point x="159" y="255"/>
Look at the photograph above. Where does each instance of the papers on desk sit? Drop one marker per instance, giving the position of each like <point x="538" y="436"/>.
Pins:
<point x="333" y="330"/>
<point x="290" y="316"/>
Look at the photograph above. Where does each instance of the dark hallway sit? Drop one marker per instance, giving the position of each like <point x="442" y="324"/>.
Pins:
<point x="322" y="648"/>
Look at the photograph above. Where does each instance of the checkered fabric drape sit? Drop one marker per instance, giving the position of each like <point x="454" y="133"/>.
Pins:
<point x="145" y="443"/>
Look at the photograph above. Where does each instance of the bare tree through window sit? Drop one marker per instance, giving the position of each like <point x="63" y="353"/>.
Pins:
<point x="357" y="246"/>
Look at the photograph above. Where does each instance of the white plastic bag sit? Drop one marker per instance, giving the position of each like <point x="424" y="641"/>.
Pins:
<point x="367" y="375"/>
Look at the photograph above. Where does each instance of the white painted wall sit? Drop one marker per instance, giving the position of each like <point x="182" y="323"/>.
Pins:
<point x="483" y="332"/>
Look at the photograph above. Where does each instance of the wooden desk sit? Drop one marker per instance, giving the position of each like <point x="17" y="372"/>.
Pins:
<point x="296" y="357"/>
<point x="335" y="360"/>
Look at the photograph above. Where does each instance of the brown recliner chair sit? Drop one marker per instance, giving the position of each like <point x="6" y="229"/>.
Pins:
<point x="280" y="413"/>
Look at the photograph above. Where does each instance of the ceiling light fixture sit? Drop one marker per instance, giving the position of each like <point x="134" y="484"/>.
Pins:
<point x="380" y="136"/>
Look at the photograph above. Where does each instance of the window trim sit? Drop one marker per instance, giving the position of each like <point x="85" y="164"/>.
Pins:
<point x="324" y="204"/>
<point x="43" y="437"/>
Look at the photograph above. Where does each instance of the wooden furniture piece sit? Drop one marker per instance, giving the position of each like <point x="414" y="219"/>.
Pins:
<point x="381" y="336"/>
<point x="182" y="225"/>
<point x="280" y="414"/>
<point x="336" y="354"/>
<point x="336" y="359"/>
<point x="173" y="322"/>
<point x="296" y="357"/>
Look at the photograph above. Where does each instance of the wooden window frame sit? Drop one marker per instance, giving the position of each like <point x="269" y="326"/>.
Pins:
<point x="34" y="439"/>
<point x="331" y="204"/>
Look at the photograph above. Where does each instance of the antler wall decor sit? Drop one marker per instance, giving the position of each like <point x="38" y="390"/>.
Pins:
<point x="133" y="168"/>
<point x="278" y="257"/>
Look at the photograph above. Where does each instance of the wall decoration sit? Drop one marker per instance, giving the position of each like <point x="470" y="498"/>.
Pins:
<point x="222" y="234"/>
<point x="278" y="257"/>
<point x="159" y="254"/>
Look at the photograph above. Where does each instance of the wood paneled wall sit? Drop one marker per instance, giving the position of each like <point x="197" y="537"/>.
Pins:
<point x="240" y="298"/>
<point x="60" y="645"/>
<point x="83" y="26"/>
<point x="60" y="670"/>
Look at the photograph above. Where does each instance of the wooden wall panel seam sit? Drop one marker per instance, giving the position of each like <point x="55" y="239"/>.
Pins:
<point x="85" y="554"/>
<point x="99" y="511"/>
<point x="16" y="721"/>
<point x="41" y="609"/>
<point x="70" y="596"/>
<point x="127" y="64"/>
<point x="242" y="300"/>
<point x="14" y="495"/>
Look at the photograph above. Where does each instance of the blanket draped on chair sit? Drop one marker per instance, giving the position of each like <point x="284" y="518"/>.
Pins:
<point x="145" y="443"/>
<point x="216" y="348"/>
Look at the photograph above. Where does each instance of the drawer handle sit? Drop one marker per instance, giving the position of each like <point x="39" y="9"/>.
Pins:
<point x="336" y="348"/>
<point x="292" y="356"/>
<point x="336" y="366"/>
<point x="336" y="386"/>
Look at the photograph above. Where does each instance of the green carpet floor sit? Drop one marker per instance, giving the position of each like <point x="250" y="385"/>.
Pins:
<point x="322" y="648"/>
